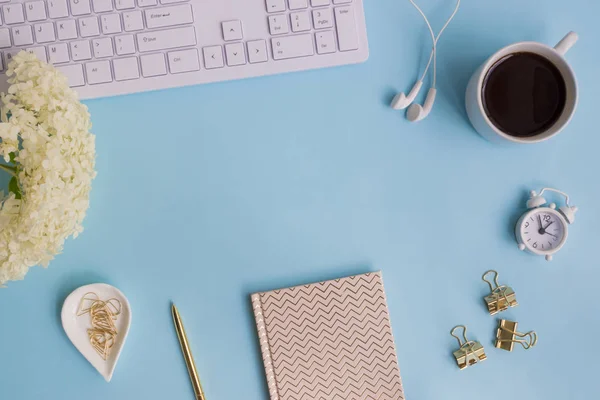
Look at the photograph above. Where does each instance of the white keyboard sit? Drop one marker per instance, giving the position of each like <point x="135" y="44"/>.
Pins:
<point x="112" y="47"/>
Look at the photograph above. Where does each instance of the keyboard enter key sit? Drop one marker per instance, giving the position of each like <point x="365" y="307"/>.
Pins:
<point x="169" y="16"/>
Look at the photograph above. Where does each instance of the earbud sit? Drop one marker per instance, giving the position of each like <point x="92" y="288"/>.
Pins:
<point x="401" y="101"/>
<point x="416" y="112"/>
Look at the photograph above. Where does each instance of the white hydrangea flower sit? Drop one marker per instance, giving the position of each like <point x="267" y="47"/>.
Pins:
<point x="45" y="135"/>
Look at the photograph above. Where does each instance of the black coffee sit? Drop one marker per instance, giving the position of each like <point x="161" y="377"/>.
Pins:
<point x="524" y="94"/>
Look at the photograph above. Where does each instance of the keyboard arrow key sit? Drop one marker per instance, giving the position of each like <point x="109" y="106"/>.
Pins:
<point x="257" y="51"/>
<point x="234" y="53"/>
<point x="213" y="57"/>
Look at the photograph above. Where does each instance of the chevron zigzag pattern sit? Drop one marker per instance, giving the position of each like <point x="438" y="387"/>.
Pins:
<point x="330" y="340"/>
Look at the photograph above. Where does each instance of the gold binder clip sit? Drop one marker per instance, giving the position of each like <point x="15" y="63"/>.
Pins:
<point x="470" y="351"/>
<point x="501" y="297"/>
<point x="507" y="335"/>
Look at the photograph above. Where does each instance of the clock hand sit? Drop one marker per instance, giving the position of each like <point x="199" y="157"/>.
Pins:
<point x="548" y="233"/>
<point x="549" y="223"/>
<point x="541" y="230"/>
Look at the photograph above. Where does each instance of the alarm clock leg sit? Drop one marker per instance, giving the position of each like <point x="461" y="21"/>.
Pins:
<point x="521" y="246"/>
<point x="549" y="257"/>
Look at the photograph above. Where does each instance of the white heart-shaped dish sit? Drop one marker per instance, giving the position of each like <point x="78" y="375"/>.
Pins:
<point x="76" y="327"/>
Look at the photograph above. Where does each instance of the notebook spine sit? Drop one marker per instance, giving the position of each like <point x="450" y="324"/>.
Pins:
<point x="264" y="346"/>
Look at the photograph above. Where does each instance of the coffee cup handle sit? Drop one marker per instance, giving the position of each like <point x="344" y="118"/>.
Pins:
<point x="566" y="43"/>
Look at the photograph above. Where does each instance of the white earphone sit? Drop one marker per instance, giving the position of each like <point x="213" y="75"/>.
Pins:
<point x="417" y="112"/>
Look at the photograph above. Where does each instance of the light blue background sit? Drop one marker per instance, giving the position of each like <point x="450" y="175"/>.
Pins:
<point x="206" y="194"/>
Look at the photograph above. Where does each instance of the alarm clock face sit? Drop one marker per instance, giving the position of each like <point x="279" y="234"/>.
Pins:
<point x="543" y="230"/>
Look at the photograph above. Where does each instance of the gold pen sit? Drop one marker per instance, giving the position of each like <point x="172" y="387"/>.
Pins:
<point x="187" y="354"/>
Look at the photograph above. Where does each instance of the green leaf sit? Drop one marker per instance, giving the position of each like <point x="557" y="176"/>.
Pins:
<point x="13" y="187"/>
<point x="10" y="169"/>
<point x="12" y="157"/>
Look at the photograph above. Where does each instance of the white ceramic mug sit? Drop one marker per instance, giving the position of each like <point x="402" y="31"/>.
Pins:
<point x="555" y="54"/>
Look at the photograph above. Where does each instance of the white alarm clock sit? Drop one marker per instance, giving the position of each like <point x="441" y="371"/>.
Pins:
<point x="543" y="230"/>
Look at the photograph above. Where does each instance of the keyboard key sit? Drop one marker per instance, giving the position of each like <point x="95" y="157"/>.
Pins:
<point x="126" y="68"/>
<point x="325" y="42"/>
<point x="322" y="18"/>
<point x="98" y="72"/>
<point x="74" y="74"/>
<point x="9" y="54"/>
<point x="167" y="39"/>
<point x="66" y="29"/>
<point x="278" y="24"/>
<point x="257" y="51"/>
<point x="183" y="61"/>
<point x="234" y="53"/>
<point x="58" y="9"/>
<point x="171" y="1"/>
<point x="169" y="16"/>
<point x="13" y="14"/>
<point x="292" y="46"/>
<point x="213" y="57"/>
<point x="80" y="50"/>
<point x="44" y="33"/>
<point x="153" y="65"/>
<point x="124" y="44"/>
<point x="318" y="3"/>
<point x="36" y="11"/>
<point x="124" y="4"/>
<point x="146" y="3"/>
<point x="80" y="7"/>
<point x="102" y="47"/>
<point x="5" y="38"/>
<point x="342" y="1"/>
<point x="111" y="23"/>
<point x="133" y="21"/>
<point x="232" y="30"/>
<point x="298" y="4"/>
<point x="58" y="53"/>
<point x="300" y="21"/>
<point x="22" y="35"/>
<point x="101" y="6"/>
<point x="40" y="52"/>
<point x="275" y="5"/>
<point x="346" y="28"/>
<point x="89" y="27"/>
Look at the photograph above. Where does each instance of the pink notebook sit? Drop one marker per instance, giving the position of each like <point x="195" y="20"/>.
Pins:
<point x="328" y="341"/>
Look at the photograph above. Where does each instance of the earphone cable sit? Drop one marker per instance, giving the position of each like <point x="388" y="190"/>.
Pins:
<point x="433" y="54"/>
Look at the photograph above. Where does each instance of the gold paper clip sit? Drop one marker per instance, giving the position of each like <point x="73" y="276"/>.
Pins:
<point x="501" y="297"/>
<point x="470" y="351"/>
<point x="507" y="336"/>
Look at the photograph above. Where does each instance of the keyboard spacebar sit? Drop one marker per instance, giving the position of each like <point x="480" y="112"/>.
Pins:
<point x="292" y="46"/>
<point x="167" y="39"/>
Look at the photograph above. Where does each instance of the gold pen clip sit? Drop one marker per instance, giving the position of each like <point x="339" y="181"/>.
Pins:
<point x="501" y="297"/>
<point x="507" y="335"/>
<point x="470" y="351"/>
